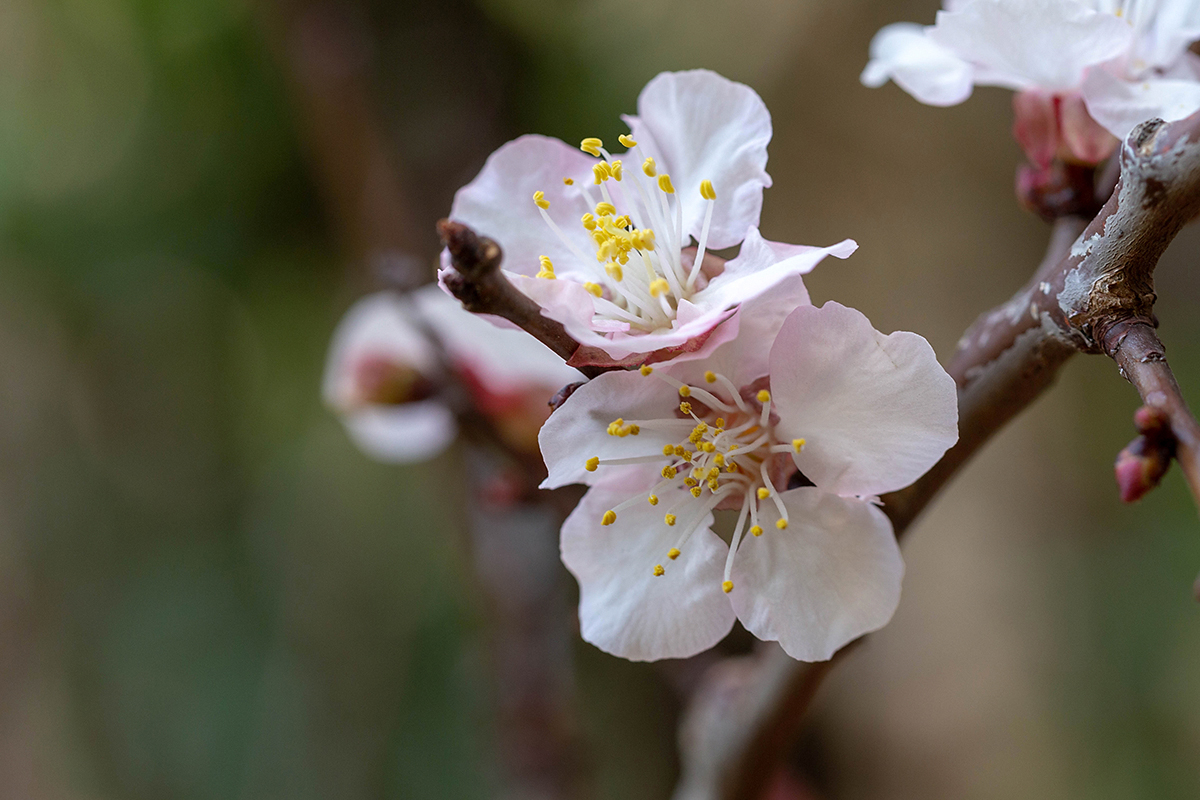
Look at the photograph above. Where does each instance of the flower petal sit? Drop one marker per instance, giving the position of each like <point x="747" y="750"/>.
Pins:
<point x="760" y="265"/>
<point x="578" y="430"/>
<point x="700" y="126"/>
<point x="831" y="576"/>
<point x="626" y="610"/>
<point x="498" y="203"/>
<point x="1120" y="105"/>
<point x="1025" y="44"/>
<point x="403" y="433"/>
<point x="877" y="411"/>
<point x="902" y="52"/>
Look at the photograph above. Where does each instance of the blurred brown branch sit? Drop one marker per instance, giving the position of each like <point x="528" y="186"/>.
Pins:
<point x="1092" y="293"/>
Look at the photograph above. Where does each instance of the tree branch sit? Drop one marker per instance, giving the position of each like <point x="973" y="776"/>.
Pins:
<point x="1092" y="293"/>
<point x="481" y="287"/>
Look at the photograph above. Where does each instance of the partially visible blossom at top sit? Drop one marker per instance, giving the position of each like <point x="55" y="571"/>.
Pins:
<point x="602" y="240"/>
<point x="1087" y="70"/>
<point x="797" y="391"/>
<point x="384" y="375"/>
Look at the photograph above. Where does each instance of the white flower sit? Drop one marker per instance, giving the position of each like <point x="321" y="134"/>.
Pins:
<point x="857" y="412"/>
<point x="382" y="375"/>
<point x="599" y="239"/>
<point x="1128" y="59"/>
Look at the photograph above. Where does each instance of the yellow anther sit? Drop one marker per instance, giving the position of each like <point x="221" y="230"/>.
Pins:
<point x="732" y="447"/>
<point x="664" y="183"/>
<point x="646" y="369"/>
<point x="668" y="472"/>
<point x="719" y="422"/>
<point x="685" y="408"/>
<point x="616" y="170"/>
<point x="594" y="288"/>
<point x="589" y="222"/>
<point x="659" y="571"/>
<point x="727" y="587"/>
<point x="707" y="191"/>
<point x="539" y="198"/>
<point x="609" y="517"/>
<point x="713" y="472"/>
<point x="548" y="274"/>
<point x="763" y="493"/>
<point x="622" y="221"/>
<point x="757" y="531"/>
<point x="614" y="271"/>
<point x="600" y="172"/>
<point x="719" y="460"/>
<point x="592" y="463"/>
<point x="701" y="427"/>
<point x="568" y="181"/>
<point x="713" y="484"/>
<point x="652" y="499"/>
<point x="605" y="209"/>
<point x="668" y="450"/>
<point x="680" y="450"/>
<point x="710" y="376"/>
<point x="659" y="287"/>
<point x="697" y="491"/>
<point x="670" y="520"/>
<point x="763" y="395"/>
<point x="690" y="482"/>
<point x="591" y="146"/>
<point x="648" y="168"/>
<point x="626" y="141"/>
<point x="781" y="524"/>
<point x="798" y="444"/>
<point x="643" y="239"/>
<point x="634" y="430"/>
<point x="686" y="391"/>
<point x="625" y="431"/>
<point x="547" y="270"/>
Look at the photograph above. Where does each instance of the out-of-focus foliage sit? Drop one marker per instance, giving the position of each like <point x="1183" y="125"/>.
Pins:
<point x="206" y="592"/>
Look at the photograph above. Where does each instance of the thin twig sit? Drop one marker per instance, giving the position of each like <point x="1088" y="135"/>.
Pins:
<point x="481" y="287"/>
<point x="1143" y="361"/>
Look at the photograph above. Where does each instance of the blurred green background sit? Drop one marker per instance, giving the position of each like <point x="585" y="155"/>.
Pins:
<point x="206" y="592"/>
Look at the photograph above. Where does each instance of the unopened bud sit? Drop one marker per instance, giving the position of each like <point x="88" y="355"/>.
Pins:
<point x="1142" y="464"/>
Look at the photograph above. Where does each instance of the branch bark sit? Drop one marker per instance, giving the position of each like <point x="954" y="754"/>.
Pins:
<point x="481" y="287"/>
<point x="1092" y="293"/>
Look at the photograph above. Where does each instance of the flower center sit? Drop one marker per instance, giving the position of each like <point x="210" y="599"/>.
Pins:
<point x="638" y="271"/>
<point x="726" y="457"/>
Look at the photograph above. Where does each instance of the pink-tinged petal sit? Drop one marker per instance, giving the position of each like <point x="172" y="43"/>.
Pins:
<point x="877" y="411"/>
<point x="1027" y="44"/>
<point x="498" y="203"/>
<point x="700" y="126"/>
<point x="740" y="349"/>
<point x="626" y="610"/>
<point x="760" y="265"/>
<point x="831" y="576"/>
<point x="1084" y="139"/>
<point x="578" y="430"/>
<point x="561" y="299"/>
<point x="506" y="361"/>
<point x="1120" y="105"/>
<point x="1035" y="125"/>
<point x="403" y="433"/>
<point x="903" y="53"/>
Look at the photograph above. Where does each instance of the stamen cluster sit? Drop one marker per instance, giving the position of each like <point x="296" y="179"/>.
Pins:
<point x="727" y="456"/>
<point x="638" y="284"/>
